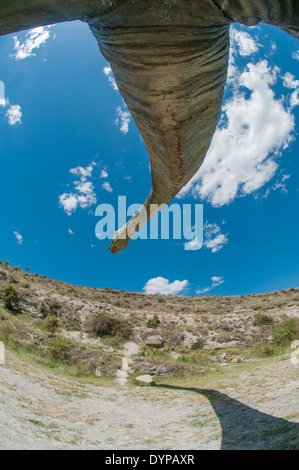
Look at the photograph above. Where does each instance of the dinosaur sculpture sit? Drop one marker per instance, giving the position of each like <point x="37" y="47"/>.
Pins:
<point x="169" y="59"/>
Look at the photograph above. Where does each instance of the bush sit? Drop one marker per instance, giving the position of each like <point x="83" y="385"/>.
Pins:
<point x="59" y="349"/>
<point x="265" y="350"/>
<point x="260" y="319"/>
<point x="10" y="297"/>
<point x="104" y="325"/>
<point x="153" y="322"/>
<point x="51" y="323"/>
<point x="286" y="332"/>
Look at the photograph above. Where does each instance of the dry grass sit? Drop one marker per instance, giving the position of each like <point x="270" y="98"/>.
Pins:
<point x="253" y="325"/>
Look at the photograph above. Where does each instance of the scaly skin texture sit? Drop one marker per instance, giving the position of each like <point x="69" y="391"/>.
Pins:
<point x="169" y="59"/>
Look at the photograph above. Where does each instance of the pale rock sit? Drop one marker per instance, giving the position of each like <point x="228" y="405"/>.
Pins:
<point x="147" y="379"/>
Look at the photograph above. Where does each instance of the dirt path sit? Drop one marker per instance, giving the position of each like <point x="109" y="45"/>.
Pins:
<point x="239" y="409"/>
<point x="129" y="350"/>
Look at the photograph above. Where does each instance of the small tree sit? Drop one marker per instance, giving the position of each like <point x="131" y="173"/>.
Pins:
<point x="51" y="323"/>
<point x="153" y="322"/>
<point x="10" y="297"/>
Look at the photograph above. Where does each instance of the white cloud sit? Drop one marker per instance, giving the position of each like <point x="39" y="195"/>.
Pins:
<point x="241" y="40"/>
<point x="254" y="129"/>
<point x="289" y="81"/>
<point x="109" y="74"/>
<point x="216" y="281"/>
<point x="107" y="187"/>
<point x="214" y="239"/>
<point x="19" y="238"/>
<point x="104" y="174"/>
<point x="70" y="231"/>
<point x="160" y="285"/>
<point x="14" y="115"/>
<point x="123" y="119"/>
<point x="296" y="55"/>
<point x="34" y="39"/>
<point x="194" y="244"/>
<point x="278" y="186"/>
<point x="292" y="84"/>
<point x="84" y="172"/>
<point x="83" y="195"/>
<point x="2" y="94"/>
<point x="69" y="202"/>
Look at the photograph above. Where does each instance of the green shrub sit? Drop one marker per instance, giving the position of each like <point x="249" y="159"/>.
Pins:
<point x="51" y="323"/>
<point x="265" y="350"/>
<point x="105" y="325"/>
<point x="59" y="349"/>
<point x="286" y="332"/>
<point x="153" y="322"/>
<point x="260" y="319"/>
<point x="10" y="297"/>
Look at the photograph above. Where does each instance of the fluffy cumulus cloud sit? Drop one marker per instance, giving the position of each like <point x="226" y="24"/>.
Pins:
<point x="292" y="84"/>
<point x="109" y="74"/>
<point x="243" y="42"/>
<point x="104" y="174"/>
<point x="106" y="186"/>
<point x="216" y="281"/>
<point x="123" y="119"/>
<point x="254" y="129"/>
<point x="123" y="116"/>
<point x="34" y="39"/>
<point x="14" y="114"/>
<point x="214" y="239"/>
<point x="160" y="285"/>
<point x="83" y="194"/>
<point x="18" y="237"/>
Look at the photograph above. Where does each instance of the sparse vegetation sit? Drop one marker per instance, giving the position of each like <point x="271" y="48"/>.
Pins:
<point x="51" y="323"/>
<point x="260" y="319"/>
<point x="55" y="352"/>
<point x="286" y="332"/>
<point x="105" y="325"/>
<point x="153" y="322"/>
<point x="78" y="328"/>
<point x="10" y="297"/>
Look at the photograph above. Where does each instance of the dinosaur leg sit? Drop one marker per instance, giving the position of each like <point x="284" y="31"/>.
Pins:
<point x="172" y="79"/>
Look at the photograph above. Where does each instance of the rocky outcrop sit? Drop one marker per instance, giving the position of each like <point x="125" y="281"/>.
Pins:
<point x="7" y="277"/>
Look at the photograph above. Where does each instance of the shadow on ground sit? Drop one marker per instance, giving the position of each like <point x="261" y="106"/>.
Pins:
<point x="244" y="428"/>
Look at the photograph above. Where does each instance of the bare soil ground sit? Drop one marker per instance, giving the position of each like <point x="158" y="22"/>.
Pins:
<point x="246" y="406"/>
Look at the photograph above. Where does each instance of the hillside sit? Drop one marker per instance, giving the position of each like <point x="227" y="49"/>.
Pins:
<point x="175" y="335"/>
<point x="73" y="354"/>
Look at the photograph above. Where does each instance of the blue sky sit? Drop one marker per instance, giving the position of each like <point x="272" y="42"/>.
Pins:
<point x="68" y="143"/>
